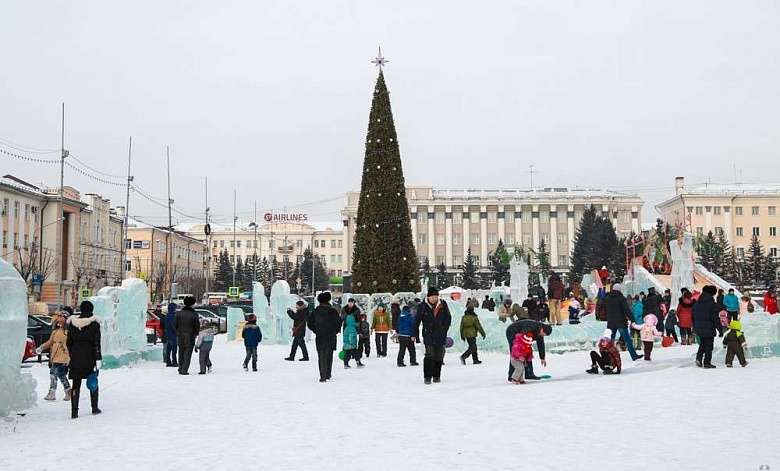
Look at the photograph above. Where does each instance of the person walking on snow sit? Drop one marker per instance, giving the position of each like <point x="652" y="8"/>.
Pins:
<point x="170" y="349"/>
<point x="203" y="344"/>
<point x="469" y="328"/>
<point x="648" y="333"/>
<point x="685" y="317"/>
<point x="607" y="358"/>
<point x="538" y="331"/>
<point x="298" y="317"/>
<point x="325" y="322"/>
<point x="59" y="358"/>
<point x="555" y="292"/>
<point x="350" y="336"/>
<point x="407" y="335"/>
<point x="735" y="344"/>
<point x="252" y="338"/>
<point x="83" y="344"/>
<point x="187" y="325"/>
<point x="434" y="315"/>
<point x="381" y="324"/>
<point x="706" y="321"/>
<point x="618" y="317"/>
<point x="364" y="336"/>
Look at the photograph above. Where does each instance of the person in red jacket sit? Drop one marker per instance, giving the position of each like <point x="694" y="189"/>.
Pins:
<point x="685" y="317"/>
<point x="770" y="300"/>
<point x="608" y="356"/>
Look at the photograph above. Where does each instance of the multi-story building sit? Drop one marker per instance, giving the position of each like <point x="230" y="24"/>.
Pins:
<point x="147" y="257"/>
<point x="279" y="240"/>
<point x="20" y="226"/>
<point x="738" y="211"/>
<point x="99" y="262"/>
<point x="447" y="223"/>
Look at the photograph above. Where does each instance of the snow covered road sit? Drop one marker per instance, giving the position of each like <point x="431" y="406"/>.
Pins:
<point x="660" y="415"/>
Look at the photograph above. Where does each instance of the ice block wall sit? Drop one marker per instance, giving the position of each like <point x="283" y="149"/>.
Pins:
<point x="17" y="390"/>
<point x="234" y="316"/>
<point x="518" y="279"/>
<point x="762" y="336"/>
<point x="279" y="327"/>
<point x="122" y="314"/>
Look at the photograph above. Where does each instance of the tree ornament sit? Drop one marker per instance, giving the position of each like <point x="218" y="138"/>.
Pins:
<point x="394" y="281"/>
<point x="374" y="283"/>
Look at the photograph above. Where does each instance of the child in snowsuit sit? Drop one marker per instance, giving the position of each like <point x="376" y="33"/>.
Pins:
<point x="734" y="341"/>
<point x="364" y="336"/>
<point x="203" y="344"/>
<point x="59" y="358"/>
<point x="669" y="323"/>
<point x="350" y="339"/>
<point x="252" y="338"/>
<point x="469" y="328"/>
<point x="405" y="327"/>
<point x="574" y="310"/>
<point x="521" y="354"/>
<point x="685" y="317"/>
<point x="608" y="357"/>
<point x="648" y="333"/>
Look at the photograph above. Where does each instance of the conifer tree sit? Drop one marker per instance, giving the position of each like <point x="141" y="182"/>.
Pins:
<point x="384" y="256"/>
<point x="469" y="272"/>
<point x="583" y="254"/>
<point x="224" y="274"/>
<point x="499" y="265"/>
<point x="239" y="273"/>
<point x="542" y="265"/>
<point x="755" y="261"/>
<point x="441" y="276"/>
<point x="725" y="265"/>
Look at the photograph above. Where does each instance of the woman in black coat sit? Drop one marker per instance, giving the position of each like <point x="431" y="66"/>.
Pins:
<point x="85" y="357"/>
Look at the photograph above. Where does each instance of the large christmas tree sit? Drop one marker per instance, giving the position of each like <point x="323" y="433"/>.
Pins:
<point x="384" y="258"/>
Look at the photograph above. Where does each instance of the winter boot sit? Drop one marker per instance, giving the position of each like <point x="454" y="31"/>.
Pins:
<point x="698" y="363"/>
<point x="709" y="366"/>
<point x="67" y="395"/>
<point x="594" y="370"/>
<point x="477" y="362"/>
<point x="74" y="404"/>
<point x="93" y="399"/>
<point x="462" y="361"/>
<point x="360" y="365"/>
<point x="427" y="380"/>
<point x="289" y="358"/>
<point x="50" y="396"/>
<point x="437" y="380"/>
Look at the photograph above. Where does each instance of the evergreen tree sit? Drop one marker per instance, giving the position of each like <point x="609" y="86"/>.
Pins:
<point x="769" y="275"/>
<point x="469" y="272"/>
<point x="275" y="273"/>
<point x="224" y="273"/>
<point x="499" y="265"/>
<point x="708" y="251"/>
<point x="249" y="271"/>
<point x="725" y="264"/>
<point x="425" y="271"/>
<point x="611" y="251"/>
<point x="755" y="262"/>
<point x="240" y="282"/>
<point x="583" y="256"/>
<point x="542" y="260"/>
<point x="441" y="276"/>
<point x="384" y="256"/>
<point x="264" y="275"/>
<point x="292" y="280"/>
<point x="321" y="279"/>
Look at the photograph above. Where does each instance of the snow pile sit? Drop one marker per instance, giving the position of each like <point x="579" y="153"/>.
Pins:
<point x="17" y="390"/>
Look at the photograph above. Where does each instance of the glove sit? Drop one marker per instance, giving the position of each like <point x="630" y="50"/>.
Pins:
<point x="98" y="365"/>
<point x="38" y="351"/>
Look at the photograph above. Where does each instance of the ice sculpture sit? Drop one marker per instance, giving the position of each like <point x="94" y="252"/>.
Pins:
<point x="518" y="279"/>
<point x="682" y="266"/>
<point x="17" y="390"/>
<point x="259" y="301"/>
<point x="234" y="316"/>
<point x="122" y="314"/>
<point x="590" y="285"/>
<point x="641" y="281"/>
<point x="279" y="327"/>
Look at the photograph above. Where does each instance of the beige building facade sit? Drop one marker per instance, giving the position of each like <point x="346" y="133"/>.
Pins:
<point x="737" y="211"/>
<point x="99" y="262"/>
<point x="447" y="223"/>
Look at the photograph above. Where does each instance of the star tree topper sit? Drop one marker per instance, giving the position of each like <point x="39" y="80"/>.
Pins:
<point x="380" y="61"/>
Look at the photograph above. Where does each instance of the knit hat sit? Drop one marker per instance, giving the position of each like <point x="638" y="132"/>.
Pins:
<point x="547" y="329"/>
<point x="300" y="303"/>
<point x="86" y="308"/>
<point x="251" y="318"/>
<point x="607" y="334"/>
<point x="618" y="287"/>
<point x="189" y="301"/>
<point x="711" y="290"/>
<point x="351" y="300"/>
<point x="324" y="297"/>
<point x="432" y="291"/>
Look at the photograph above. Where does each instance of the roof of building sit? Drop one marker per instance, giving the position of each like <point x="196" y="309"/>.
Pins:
<point x="530" y="193"/>
<point x="19" y="184"/>
<point x="734" y="189"/>
<point x="243" y="226"/>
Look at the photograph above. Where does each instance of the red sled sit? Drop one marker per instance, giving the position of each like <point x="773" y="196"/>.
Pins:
<point x="667" y="341"/>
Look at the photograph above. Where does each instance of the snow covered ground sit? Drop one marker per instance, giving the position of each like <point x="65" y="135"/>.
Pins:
<point x="660" y="415"/>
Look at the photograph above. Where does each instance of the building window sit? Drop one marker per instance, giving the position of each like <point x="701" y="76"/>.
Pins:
<point x="439" y="260"/>
<point x="316" y="244"/>
<point x="439" y="239"/>
<point x="26" y="212"/>
<point x="708" y="209"/>
<point x="16" y="240"/>
<point x="5" y="207"/>
<point x="340" y="258"/>
<point x="510" y="239"/>
<point x="128" y="265"/>
<point x="457" y="260"/>
<point x="772" y="210"/>
<point x="699" y="211"/>
<point x="456" y="239"/>
<point x="562" y="238"/>
<point x="738" y="210"/>
<point x="271" y="244"/>
<point x="492" y="238"/>
<point x="457" y="217"/>
<point x="716" y="210"/>
<point x="322" y="243"/>
<point x="421" y="259"/>
<point x="422" y="217"/>
<point x="238" y="244"/>
<point x="333" y="243"/>
<point x="475" y="238"/>
<point x="128" y="243"/>
<point x="5" y="239"/>
<point x="545" y="238"/>
<point x="474" y="217"/>
<point x="718" y="231"/>
<point x="221" y="244"/>
<point x="699" y="231"/>
<point x="773" y="231"/>
<point x="741" y="252"/>
<point x="509" y="216"/>
<point x="754" y="210"/>
<point x="476" y="260"/>
<point x="232" y="259"/>
<point x="563" y="260"/>
<point x="215" y="244"/>
<point x="421" y="238"/>
<point x="439" y="217"/>
<point x="332" y="258"/>
<point x="16" y="210"/>
<point x="339" y="272"/>
<point x="491" y="217"/>
<point x="773" y="252"/>
<point x="756" y="231"/>
<point x="740" y="232"/>
<point x="26" y="242"/>
<point x="340" y="243"/>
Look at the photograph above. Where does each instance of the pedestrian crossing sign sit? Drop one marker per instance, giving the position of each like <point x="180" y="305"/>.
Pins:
<point x="233" y="291"/>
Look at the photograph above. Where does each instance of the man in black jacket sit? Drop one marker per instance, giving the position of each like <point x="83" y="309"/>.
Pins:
<point x="299" y="317"/>
<point x="325" y="322"/>
<point x="618" y="317"/>
<point x="434" y="315"/>
<point x="539" y="331"/>
<point x="706" y="320"/>
<point x="187" y="325"/>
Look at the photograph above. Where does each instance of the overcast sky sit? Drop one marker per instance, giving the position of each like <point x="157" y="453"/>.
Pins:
<point x="272" y="98"/>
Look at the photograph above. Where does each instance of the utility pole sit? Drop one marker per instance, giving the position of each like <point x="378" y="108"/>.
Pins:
<point x="61" y="262"/>
<point x="235" y="218"/>
<point x="127" y="214"/>
<point x="206" y="229"/>
<point x="532" y="171"/>
<point x="169" y="247"/>
<point x="254" y="265"/>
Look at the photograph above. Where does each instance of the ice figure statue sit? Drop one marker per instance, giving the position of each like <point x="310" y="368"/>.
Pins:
<point x="518" y="279"/>
<point x="279" y="329"/>
<point x="234" y="316"/>
<point x="682" y="266"/>
<point x="122" y="312"/>
<point x="17" y="390"/>
<point x="259" y="301"/>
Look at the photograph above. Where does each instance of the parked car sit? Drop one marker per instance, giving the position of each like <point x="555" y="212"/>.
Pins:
<point x="153" y="327"/>
<point x="218" y="322"/>
<point x="39" y="330"/>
